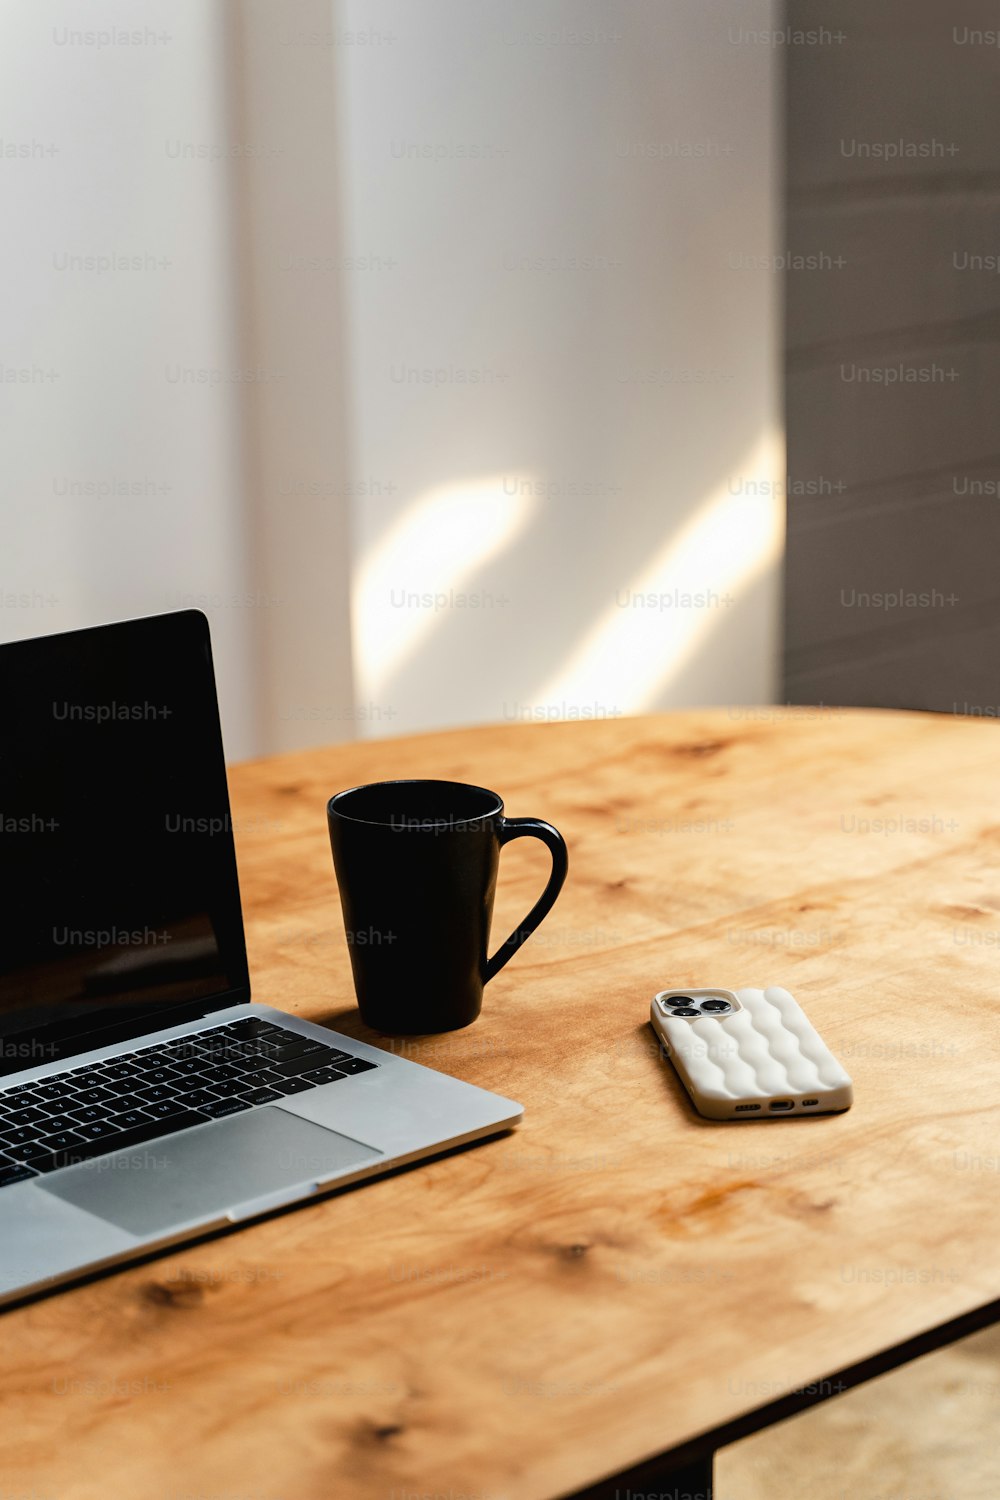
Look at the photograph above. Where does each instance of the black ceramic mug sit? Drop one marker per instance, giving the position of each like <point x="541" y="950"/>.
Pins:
<point x="416" y="863"/>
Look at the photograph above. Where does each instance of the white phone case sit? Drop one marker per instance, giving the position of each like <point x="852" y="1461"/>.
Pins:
<point x="761" y="1060"/>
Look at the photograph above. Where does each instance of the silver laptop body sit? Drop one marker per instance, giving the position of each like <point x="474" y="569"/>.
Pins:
<point x="284" y="1109"/>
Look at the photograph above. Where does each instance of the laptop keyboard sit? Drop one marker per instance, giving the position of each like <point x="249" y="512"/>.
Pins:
<point x="113" y="1105"/>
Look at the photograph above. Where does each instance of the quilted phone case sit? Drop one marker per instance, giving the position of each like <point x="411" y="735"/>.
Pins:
<point x="749" y="1054"/>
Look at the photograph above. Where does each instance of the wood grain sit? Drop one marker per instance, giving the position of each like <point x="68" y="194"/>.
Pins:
<point x="517" y="1320"/>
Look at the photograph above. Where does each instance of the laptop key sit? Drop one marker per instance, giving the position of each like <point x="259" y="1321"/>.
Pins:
<point x="51" y="1091"/>
<point x="121" y="1088"/>
<point x="261" y="1077"/>
<point x="324" y="1075"/>
<point x="159" y="1075"/>
<point x="96" y="1130"/>
<point x="60" y="1120"/>
<point x="153" y="1094"/>
<point x="87" y="1113"/>
<point x="23" y="1099"/>
<point x="60" y="1139"/>
<point x="198" y="1098"/>
<point x="58" y="1103"/>
<point x="221" y="1107"/>
<point x="268" y="1047"/>
<point x="356" y="1065"/>
<point x="55" y="1109"/>
<point x="306" y="1064"/>
<point x="282" y="1051"/>
<point x="332" y="1054"/>
<point x="248" y="1057"/>
<point x="95" y="1096"/>
<point x="19" y="1135"/>
<point x="86" y="1078"/>
<point x="190" y="1083"/>
<point x="216" y="1058"/>
<point x="121" y="1071"/>
<point x="128" y="1119"/>
<point x="26" y="1116"/>
<point x="251" y="1026"/>
<point x="317" y="1052"/>
<point x="22" y="1153"/>
<point x="120" y="1104"/>
<point x="293" y="1086"/>
<point x="163" y="1108"/>
<point x="263" y="1096"/>
<point x="12" y="1173"/>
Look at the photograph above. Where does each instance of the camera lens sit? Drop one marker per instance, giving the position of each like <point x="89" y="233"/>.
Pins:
<point x="678" y="1000"/>
<point x="685" y="1010"/>
<point x="718" y="1006"/>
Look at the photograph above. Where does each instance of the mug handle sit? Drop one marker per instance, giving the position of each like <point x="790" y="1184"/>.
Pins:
<point x="519" y="828"/>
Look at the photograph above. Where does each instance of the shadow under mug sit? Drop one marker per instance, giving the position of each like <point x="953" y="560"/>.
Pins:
<point x="416" y="864"/>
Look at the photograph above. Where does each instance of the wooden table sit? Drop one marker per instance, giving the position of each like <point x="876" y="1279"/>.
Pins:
<point x="619" y="1286"/>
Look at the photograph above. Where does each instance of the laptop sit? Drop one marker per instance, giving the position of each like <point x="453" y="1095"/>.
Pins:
<point x="144" y="1098"/>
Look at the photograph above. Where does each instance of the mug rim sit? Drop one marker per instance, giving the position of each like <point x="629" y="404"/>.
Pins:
<point x="496" y="811"/>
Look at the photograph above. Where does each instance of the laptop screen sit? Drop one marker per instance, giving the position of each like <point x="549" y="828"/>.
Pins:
<point x="122" y="908"/>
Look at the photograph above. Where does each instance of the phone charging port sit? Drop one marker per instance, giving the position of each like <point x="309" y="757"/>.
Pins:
<point x="780" y="1104"/>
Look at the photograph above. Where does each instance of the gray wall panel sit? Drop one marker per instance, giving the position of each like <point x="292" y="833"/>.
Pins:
<point x="908" y="470"/>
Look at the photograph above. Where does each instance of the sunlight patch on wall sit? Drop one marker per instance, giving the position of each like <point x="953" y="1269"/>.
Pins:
<point x="406" y="584"/>
<point x="655" y="624"/>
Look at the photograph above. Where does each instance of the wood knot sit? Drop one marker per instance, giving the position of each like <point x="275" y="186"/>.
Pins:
<point x="181" y="1293"/>
<point x="701" y="749"/>
<point x="970" y="911"/>
<point x="806" y="1205"/>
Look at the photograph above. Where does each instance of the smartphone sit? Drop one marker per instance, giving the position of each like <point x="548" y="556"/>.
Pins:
<point x="749" y="1054"/>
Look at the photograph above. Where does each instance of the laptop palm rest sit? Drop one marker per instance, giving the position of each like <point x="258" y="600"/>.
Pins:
<point x="207" y="1171"/>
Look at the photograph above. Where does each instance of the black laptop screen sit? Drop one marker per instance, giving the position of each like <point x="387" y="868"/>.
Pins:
<point x="121" y="900"/>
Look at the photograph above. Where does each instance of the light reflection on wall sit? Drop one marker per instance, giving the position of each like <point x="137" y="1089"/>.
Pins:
<point x="658" y="621"/>
<point x="429" y="554"/>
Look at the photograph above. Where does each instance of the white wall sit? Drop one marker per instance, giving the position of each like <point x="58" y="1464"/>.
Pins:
<point x="297" y="443"/>
<point x="100" y="127"/>
<point x="563" y="378"/>
<point x="542" y="205"/>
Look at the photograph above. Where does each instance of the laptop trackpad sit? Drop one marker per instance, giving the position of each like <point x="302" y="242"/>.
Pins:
<point x="167" y="1183"/>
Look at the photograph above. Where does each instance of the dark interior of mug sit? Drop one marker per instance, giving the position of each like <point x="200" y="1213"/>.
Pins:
<point x="416" y="803"/>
